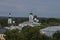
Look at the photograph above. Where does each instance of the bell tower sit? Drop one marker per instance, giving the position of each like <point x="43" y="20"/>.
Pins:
<point x="9" y="19"/>
<point x="31" y="17"/>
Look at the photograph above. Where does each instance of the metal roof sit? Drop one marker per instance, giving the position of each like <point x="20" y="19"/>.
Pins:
<point x="49" y="31"/>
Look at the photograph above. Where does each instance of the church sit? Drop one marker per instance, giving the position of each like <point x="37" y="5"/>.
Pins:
<point x="33" y="21"/>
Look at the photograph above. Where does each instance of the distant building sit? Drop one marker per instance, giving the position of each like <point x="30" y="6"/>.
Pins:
<point x="13" y="27"/>
<point x="2" y="36"/>
<point x="2" y="31"/>
<point x="49" y="31"/>
<point x="33" y="21"/>
<point x="10" y="19"/>
<point x="31" y="18"/>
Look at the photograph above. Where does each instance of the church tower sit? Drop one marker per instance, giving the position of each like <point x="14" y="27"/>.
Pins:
<point x="31" y="18"/>
<point x="35" y="18"/>
<point x="9" y="19"/>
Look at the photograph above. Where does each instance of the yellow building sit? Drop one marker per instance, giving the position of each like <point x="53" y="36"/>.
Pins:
<point x="2" y="37"/>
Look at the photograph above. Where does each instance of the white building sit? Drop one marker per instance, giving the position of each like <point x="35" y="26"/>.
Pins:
<point x="13" y="27"/>
<point x="9" y="19"/>
<point x="31" y="18"/>
<point x="32" y="21"/>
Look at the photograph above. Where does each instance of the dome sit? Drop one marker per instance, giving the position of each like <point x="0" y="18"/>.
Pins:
<point x="31" y="13"/>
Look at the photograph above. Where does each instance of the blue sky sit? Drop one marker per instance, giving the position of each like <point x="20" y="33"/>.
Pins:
<point x="22" y="8"/>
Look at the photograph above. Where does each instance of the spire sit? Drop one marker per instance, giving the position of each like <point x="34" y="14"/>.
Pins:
<point x="31" y="17"/>
<point x="31" y="13"/>
<point x="9" y="15"/>
<point x="35" y="16"/>
<point x="9" y="19"/>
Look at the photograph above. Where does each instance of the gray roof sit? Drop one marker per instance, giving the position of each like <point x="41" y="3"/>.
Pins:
<point x="28" y="23"/>
<point x="49" y="31"/>
<point x="2" y="31"/>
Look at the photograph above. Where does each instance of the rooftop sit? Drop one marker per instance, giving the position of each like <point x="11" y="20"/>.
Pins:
<point x="2" y="31"/>
<point x="49" y="31"/>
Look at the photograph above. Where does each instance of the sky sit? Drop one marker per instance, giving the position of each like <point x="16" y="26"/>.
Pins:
<point x="22" y="8"/>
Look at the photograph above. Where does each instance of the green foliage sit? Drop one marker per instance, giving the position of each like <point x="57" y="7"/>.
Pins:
<point x="10" y="35"/>
<point x="44" y="21"/>
<point x="20" y="20"/>
<point x="3" y="22"/>
<point x="27" y="33"/>
<point x="31" y="33"/>
<point x="49" y="22"/>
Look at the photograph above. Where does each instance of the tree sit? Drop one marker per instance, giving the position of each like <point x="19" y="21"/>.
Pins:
<point x="27" y="33"/>
<point x="31" y="33"/>
<point x="10" y="35"/>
